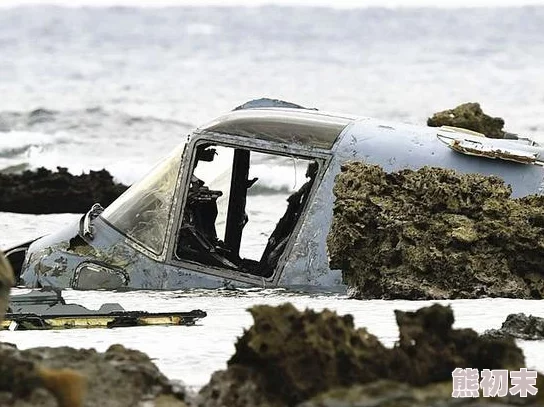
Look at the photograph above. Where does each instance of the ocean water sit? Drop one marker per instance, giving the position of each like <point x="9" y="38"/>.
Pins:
<point x="119" y="87"/>
<point x="192" y="354"/>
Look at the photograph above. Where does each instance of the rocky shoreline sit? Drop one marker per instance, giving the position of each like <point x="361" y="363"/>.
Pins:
<point x="44" y="191"/>
<point x="307" y="358"/>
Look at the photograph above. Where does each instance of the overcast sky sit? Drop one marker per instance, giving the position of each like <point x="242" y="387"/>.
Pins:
<point x="331" y="3"/>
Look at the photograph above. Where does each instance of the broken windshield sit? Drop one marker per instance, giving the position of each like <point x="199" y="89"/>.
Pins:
<point x="143" y="211"/>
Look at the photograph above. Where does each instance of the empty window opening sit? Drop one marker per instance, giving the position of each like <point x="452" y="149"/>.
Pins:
<point x="242" y="207"/>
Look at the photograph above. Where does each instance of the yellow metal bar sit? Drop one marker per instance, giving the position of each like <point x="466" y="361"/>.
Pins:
<point x="100" y="321"/>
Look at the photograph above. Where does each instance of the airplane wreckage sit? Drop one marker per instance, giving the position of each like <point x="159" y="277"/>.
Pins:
<point x="162" y="232"/>
<point x="47" y="309"/>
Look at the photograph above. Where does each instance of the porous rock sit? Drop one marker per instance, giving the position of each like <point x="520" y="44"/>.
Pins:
<point x="44" y="191"/>
<point x="67" y="377"/>
<point x="469" y="116"/>
<point x="520" y="326"/>
<point x="435" y="234"/>
<point x="288" y="356"/>
<point x="429" y="349"/>
<point x="117" y="378"/>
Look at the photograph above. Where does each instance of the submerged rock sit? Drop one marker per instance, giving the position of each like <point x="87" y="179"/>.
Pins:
<point x="43" y="191"/>
<point x="435" y="234"/>
<point x="519" y="326"/>
<point x="288" y="357"/>
<point x="469" y="116"/>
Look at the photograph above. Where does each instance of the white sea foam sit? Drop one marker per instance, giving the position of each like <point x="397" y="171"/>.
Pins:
<point x="18" y="143"/>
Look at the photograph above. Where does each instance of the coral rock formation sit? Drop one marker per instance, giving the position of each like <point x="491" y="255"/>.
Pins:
<point x="43" y="191"/>
<point x="519" y="326"/>
<point x="429" y="349"/>
<point x="469" y="116"/>
<point x="435" y="234"/>
<point x="119" y="377"/>
<point x="288" y="357"/>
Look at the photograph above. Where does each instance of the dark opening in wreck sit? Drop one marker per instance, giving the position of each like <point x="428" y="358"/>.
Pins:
<point x="214" y="237"/>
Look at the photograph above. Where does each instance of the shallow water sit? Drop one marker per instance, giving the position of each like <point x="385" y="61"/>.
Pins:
<point x="120" y="87"/>
<point x="192" y="354"/>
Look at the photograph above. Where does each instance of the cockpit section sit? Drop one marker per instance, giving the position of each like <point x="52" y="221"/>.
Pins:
<point x="230" y="191"/>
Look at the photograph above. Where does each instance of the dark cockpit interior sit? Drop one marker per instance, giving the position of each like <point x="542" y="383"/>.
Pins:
<point x="198" y="238"/>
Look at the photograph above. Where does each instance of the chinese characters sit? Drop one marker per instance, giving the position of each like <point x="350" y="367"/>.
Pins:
<point x="493" y="383"/>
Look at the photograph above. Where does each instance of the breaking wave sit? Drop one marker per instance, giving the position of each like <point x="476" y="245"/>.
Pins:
<point x="268" y="190"/>
<point x="86" y="139"/>
<point x="89" y="139"/>
<point x="18" y="148"/>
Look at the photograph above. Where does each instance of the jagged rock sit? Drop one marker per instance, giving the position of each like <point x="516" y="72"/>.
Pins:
<point x="469" y="116"/>
<point x="429" y="349"/>
<point x="119" y="377"/>
<point x="519" y="326"/>
<point x="288" y="356"/>
<point x="43" y="191"/>
<point x="238" y="386"/>
<point x="435" y="234"/>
